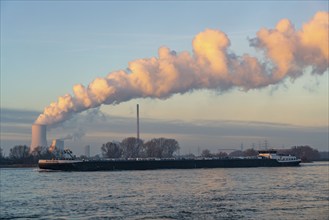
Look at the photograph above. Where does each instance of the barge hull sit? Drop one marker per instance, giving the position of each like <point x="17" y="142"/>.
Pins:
<point x="112" y="165"/>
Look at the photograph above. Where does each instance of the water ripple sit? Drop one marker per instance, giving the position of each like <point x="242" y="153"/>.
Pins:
<point x="253" y="193"/>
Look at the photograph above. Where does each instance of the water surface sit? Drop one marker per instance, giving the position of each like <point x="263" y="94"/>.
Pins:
<point x="221" y="193"/>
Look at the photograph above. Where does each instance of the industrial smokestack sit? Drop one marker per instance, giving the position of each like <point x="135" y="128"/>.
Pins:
<point x="137" y="122"/>
<point x="39" y="136"/>
<point x="87" y="151"/>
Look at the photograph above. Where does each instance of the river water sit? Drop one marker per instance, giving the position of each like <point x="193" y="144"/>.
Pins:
<point x="221" y="193"/>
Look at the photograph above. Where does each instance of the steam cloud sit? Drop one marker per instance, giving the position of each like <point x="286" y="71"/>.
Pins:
<point x="287" y="53"/>
<point x="74" y="136"/>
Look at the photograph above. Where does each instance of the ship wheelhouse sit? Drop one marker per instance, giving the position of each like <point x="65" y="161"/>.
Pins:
<point x="282" y="158"/>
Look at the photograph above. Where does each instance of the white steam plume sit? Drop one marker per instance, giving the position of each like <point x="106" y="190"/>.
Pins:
<point x="74" y="136"/>
<point x="287" y="53"/>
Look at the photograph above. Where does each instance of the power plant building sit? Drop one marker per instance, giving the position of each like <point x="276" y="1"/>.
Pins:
<point x="57" y="144"/>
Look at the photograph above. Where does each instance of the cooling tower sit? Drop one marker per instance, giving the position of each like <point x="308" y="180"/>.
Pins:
<point x="39" y="136"/>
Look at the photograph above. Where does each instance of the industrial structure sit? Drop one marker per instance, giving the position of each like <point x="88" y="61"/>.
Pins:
<point x="87" y="151"/>
<point x="56" y="144"/>
<point x="137" y="122"/>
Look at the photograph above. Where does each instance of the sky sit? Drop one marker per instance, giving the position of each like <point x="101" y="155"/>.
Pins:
<point x="50" y="47"/>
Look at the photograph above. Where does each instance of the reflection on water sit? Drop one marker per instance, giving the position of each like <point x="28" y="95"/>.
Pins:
<point x="236" y="193"/>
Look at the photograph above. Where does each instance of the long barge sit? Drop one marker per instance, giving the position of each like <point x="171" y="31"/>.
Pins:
<point x="264" y="159"/>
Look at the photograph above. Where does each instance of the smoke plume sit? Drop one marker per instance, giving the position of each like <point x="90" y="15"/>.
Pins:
<point x="287" y="52"/>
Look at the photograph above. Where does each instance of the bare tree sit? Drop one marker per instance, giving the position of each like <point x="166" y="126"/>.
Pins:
<point x="206" y="153"/>
<point x="152" y="149"/>
<point x="169" y="147"/>
<point x="111" y="150"/>
<point x="237" y="153"/>
<point x="161" y="147"/>
<point x="41" y="153"/>
<point x="19" y="152"/>
<point x="131" y="147"/>
<point x="221" y="154"/>
<point x="306" y="153"/>
<point x="250" y="152"/>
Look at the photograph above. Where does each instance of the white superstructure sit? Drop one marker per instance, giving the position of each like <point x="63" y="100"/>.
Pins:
<point x="272" y="154"/>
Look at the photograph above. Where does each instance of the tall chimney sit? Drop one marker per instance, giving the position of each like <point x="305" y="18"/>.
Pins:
<point x="87" y="151"/>
<point x="39" y="136"/>
<point x="137" y="122"/>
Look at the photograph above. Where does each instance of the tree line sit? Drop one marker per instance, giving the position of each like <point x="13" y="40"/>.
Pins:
<point x="155" y="148"/>
<point x="128" y="148"/>
<point x="132" y="147"/>
<point x="21" y="154"/>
